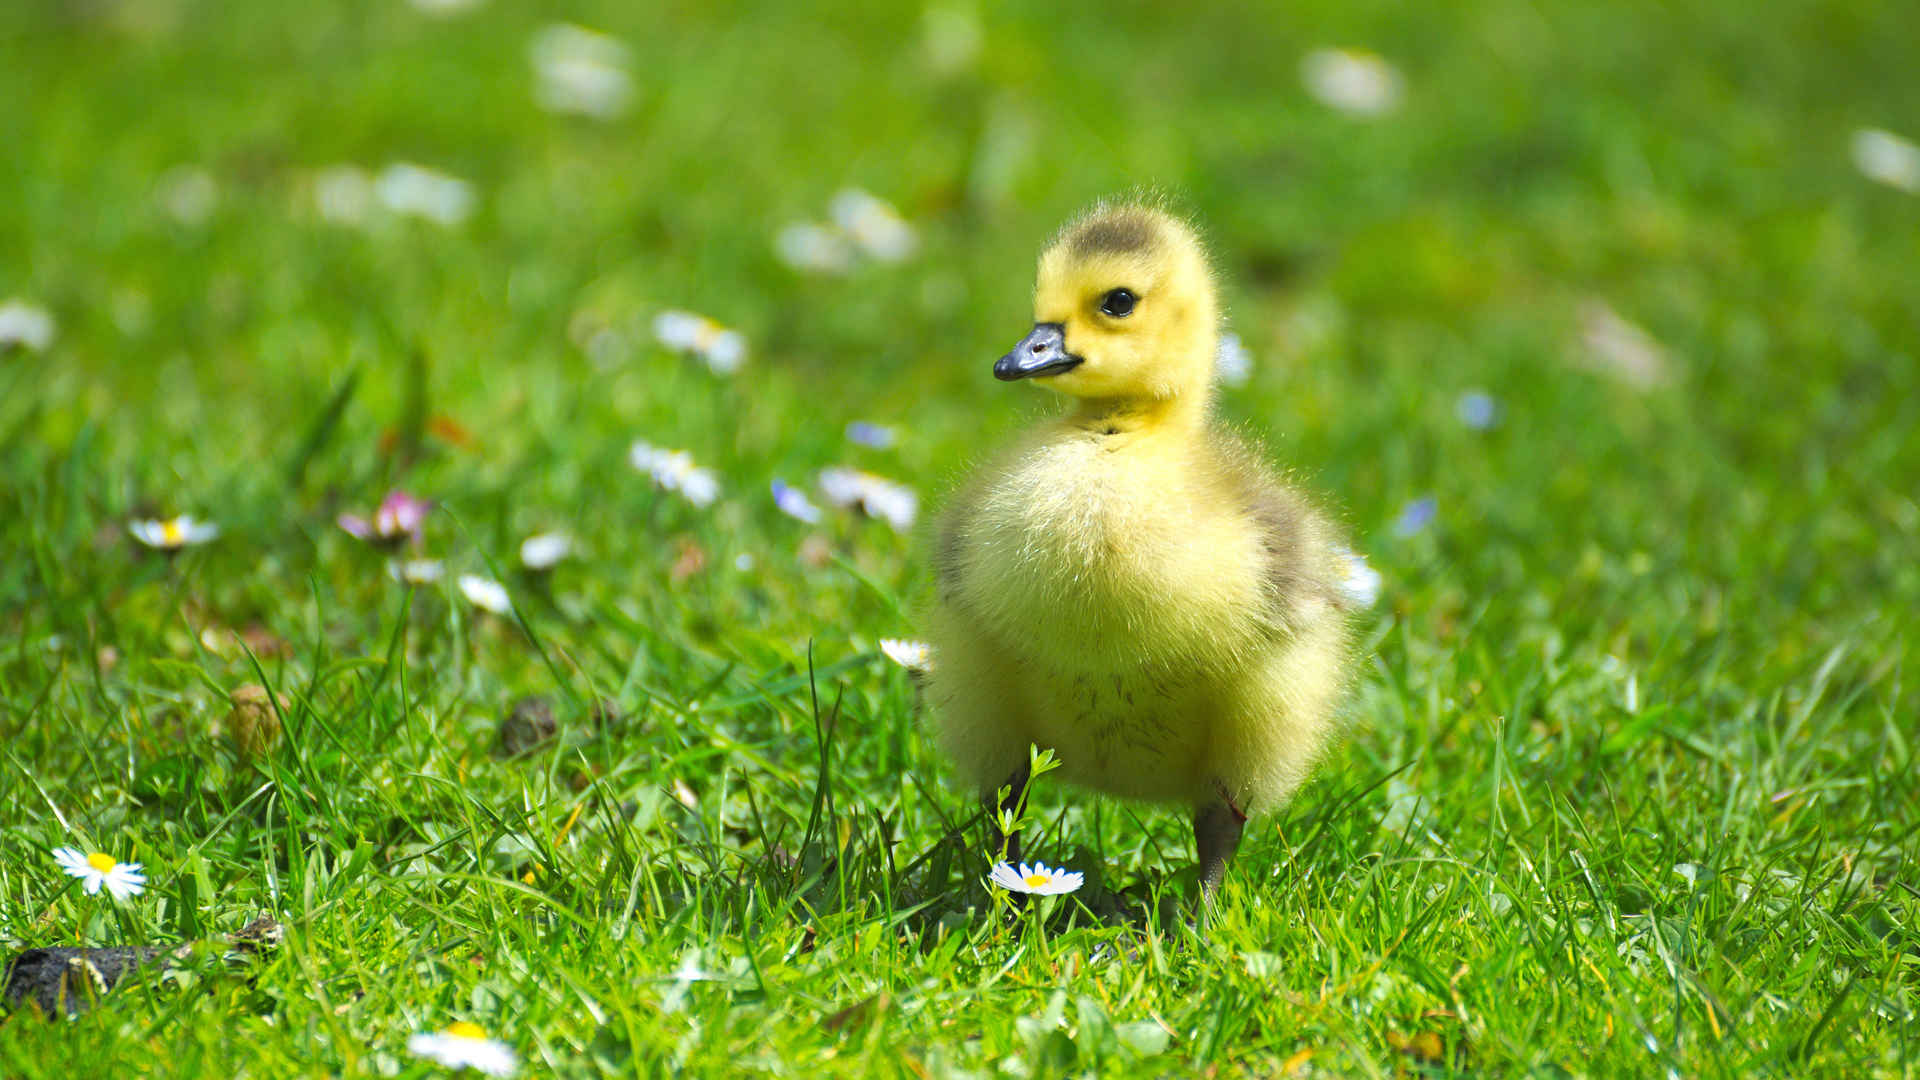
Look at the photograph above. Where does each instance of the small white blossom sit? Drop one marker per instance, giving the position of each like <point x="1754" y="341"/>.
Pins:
<point x="409" y="189"/>
<point x="25" y="326"/>
<point x="417" y="571"/>
<point x="1619" y="348"/>
<point x="465" y="1046"/>
<point x="174" y="533"/>
<point x="1351" y="80"/>
<point x="1887" y="158"/>
<point x="794" y="503"/>
<point x="582" y="71"/>
<point x="873" y="495"/>
<point x="542" y="550"/>
<point x="486" y="594"/>
<point x="121" y="880"/>
<point x="912" y="655"/>
<point x="1231" y="360"/>
<point x="724" y="350"/>
<point x="874" y="225"/>
<point x="1035" y="878"/>
<point x="818" y="249"/>
<point x="674" y="470"/>
<point x="1361" y="586"/>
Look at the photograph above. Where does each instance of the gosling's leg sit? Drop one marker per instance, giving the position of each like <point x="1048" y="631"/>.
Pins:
<point x="1216" y="834"/>
<point x="1016" y="791"/>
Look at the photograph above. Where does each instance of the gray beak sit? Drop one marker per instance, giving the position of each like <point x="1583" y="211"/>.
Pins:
<point x="1043" y="352"/>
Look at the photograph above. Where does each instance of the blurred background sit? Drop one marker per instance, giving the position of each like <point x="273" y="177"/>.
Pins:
<point x="1597" y="323"/>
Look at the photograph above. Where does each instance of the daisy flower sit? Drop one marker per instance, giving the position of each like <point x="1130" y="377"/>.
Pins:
<point x="417" y="571"/>
<point x="122" y="880"/>
<point x="872" y="495"/>
<point x="674" y="470"/>
<point x="912" y="655"/>
<point x="486" y="594"/>
<point x="417" y="191"/>
<point x="819" y="249"/>
<point x="1035" y="879"/>
<point x="870" y="435"/>
<point x="581" y="71"/>
<point x="399" y="517"/>
<point x="1887" y="158"/>
<point x="724" y="350"/>
<point x="465" y="1045"/>
<point x="875" y="227"/>
<point x="173" y="533"/>
<point x="794" y="503"/>
<point x="1231" y="361"/>
<point x="1351" y="80"/>
<point x="25" y="326"/>
<point x="1361" y="586"/>
<point x="542" y="550"/>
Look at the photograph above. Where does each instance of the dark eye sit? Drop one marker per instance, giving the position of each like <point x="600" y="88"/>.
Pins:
<point x="1119" y="303"/>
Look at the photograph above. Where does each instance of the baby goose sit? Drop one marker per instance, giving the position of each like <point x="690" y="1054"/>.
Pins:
<point x="1128" y="584"/>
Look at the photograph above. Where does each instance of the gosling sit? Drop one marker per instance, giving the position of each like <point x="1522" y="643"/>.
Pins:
<point x="1128" y="584"/>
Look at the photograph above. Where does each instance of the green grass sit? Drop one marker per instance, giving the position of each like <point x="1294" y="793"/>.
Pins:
<point x="1630" y="788"/>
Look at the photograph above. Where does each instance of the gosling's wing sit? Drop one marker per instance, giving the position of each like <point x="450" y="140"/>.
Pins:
<point x="1303" y="562"/>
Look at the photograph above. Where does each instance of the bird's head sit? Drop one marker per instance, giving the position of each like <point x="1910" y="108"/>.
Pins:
<point x="1124" y="311"/>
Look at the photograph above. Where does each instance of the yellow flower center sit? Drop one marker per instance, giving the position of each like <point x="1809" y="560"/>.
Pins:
<point x="171" y="532"/>
<point x="102" y="863"/>
<point x="466" y="1029"/>
<point x="1034" y="881"/>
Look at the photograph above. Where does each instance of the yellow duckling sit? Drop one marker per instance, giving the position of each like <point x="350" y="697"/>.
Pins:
<point x="1128" y="584"/>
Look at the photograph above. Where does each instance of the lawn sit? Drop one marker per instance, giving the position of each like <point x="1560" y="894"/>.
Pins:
<point x="1630" y="783"/>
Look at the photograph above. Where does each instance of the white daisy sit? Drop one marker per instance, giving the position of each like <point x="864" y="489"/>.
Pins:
<point x="465" y="1045"/>
<point x="1351" y="80"/>
<point x="409" y="189"/>
<point x="1231" y="360"/>
<point x="25" y="326"/>
<point x="581" y="71"/>
<point x="1361" y="586"/>
<point x="486" y="594"/>
<point x="874" y="495"/>
<point x="542" y="550"/>
<point x="817" y="249"/>
<point x="794" y="503"/>
<point x="674" y="470"/>
<point x="1887" y="158"/>
<point x="912" y="655"/>
<point x="122" y="880"/>
<point x="417" y="571"/>
<point x="173" y="533"/>
<point x="874" y="225"/>
<point x="1035" y="879"/>
<point x="724" y="350"/>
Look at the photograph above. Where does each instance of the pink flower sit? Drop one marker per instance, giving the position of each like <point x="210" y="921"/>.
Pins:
<point x="399" y="518"/>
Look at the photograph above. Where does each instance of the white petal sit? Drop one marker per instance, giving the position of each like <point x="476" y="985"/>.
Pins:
<point x="1887" y="158"/>
<point x="406" y="188"/>
<point x="815" y="248"/>
<point x="343" y="194"/>
<point x="726" y="351"/>
<point x="581" y="71"/>
<point x="1351" y="80"/>
<point x="25" y="325"/>
<point x="72" y="860"/>
<point x="542" y="551"/>
<point x="679" y="329"/>
<point x="486" y="593"/>
<point x="417" y="571"/>
<point x="912" y="655"/>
